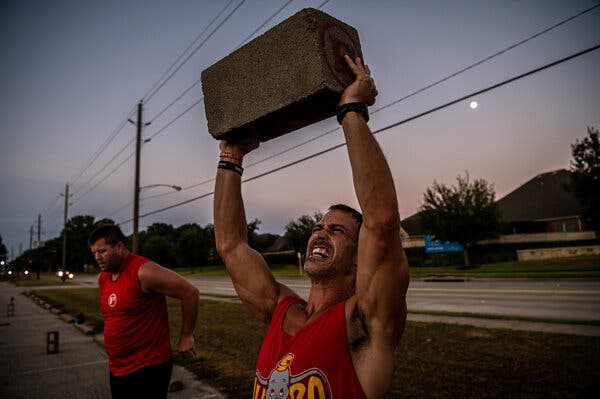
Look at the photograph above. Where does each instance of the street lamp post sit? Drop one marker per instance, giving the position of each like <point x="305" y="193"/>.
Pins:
<point x="136" y="212"/>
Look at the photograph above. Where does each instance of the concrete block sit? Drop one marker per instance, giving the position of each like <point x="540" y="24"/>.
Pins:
<point x="66" y="317"/>
<point x="87" y="329"/>
<point x="288" y="78"/>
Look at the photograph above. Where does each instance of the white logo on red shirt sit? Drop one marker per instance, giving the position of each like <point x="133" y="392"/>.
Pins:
<point x="112" y="300"/>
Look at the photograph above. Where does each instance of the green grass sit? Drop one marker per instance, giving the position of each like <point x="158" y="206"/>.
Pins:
<point x="588" y="266"/>
<point x="75" y="301"/>
<point x="33" y="282"/>
<point x="506" y="317"/>
<point x="434" y="360"/>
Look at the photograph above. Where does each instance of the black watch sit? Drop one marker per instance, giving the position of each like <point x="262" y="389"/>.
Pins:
<point x="361" y="108"/>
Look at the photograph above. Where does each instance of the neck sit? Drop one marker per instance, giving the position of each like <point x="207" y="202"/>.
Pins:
<point x="326" y="293"/>
<point x="122" y="264"/>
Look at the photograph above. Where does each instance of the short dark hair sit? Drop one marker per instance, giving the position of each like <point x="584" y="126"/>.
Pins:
<point x="111" y="233"/>
<point x="353" y="212"/>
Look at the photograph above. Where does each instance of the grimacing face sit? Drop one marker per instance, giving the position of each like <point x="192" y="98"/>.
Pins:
<point x="108" y="256"/>
<point x="332" y="247"/>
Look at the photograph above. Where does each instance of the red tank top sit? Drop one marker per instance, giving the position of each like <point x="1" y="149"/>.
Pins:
<point x="313" y="363"/>
<point x="136" y="328"/>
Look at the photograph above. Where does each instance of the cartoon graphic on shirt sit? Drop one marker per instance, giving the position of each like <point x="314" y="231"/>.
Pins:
<point x="282" y="384"/>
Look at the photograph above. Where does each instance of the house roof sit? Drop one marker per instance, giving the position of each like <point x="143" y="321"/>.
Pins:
<point x="544" y="197"/>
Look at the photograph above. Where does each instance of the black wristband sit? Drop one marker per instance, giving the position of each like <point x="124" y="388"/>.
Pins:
<point x="230" y="166"/>
<point x="361" y="108"/>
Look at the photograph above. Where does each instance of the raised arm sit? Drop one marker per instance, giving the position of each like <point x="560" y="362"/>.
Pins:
<point x="252" y="279"/>
<point x="382" y="269"/>
<point x="155" y="278"/>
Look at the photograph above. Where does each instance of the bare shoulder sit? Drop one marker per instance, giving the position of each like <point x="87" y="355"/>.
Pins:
<point x="155" y="278"/>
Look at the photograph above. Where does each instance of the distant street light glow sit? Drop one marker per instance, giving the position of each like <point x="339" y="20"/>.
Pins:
<point x="473" y="104"/>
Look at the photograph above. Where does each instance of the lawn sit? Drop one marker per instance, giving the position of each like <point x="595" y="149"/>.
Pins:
<point x="434" y="360"/>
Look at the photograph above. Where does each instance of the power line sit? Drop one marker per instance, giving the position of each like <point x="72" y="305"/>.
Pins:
<point x="174" y="101"/>
<point x="103" y="147"/>
<point x="104" y="167"/>
<point x="323" y="3"/>
<point x="429" y="86"/>
<point x="420" y="115"/>
<point x="103" y="179"/>
<point x="242" y="43"/>
<point x="153" y="90"/>
<point x="105" y="144"/>
<point x="188" y="47"/>
<point x="262" y="25"/>
<point x="147" y="98"/>
<point x="489" y="57"/>
<point x="175" y="119"/>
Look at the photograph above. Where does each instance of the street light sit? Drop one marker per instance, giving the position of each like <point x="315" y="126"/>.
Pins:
<point x="136" y="212"/>
<point x="176" y="188"/>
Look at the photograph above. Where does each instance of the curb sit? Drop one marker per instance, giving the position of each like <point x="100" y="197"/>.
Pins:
<point x="185" y="386"/>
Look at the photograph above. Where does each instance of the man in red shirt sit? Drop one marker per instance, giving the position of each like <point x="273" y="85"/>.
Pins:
<point x="136" y="327"/>
<point x="341" y="342"/>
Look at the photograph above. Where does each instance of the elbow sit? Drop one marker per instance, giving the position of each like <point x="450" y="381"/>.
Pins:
<point x="385" y="222"/>
<point x="190" y="294"/>
<point x="225" y="245"/>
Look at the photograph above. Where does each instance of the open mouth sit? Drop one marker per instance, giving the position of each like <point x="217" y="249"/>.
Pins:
<point x="319" y="251"/>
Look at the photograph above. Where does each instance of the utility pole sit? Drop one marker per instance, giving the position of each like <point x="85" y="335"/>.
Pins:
<point x="31" y="237"/>
<point x="136" y="188"/>
<point x="64" y="243"/>
<point x="38" y="260"/>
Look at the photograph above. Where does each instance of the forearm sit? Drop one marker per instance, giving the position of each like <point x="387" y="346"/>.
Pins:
<point x="229" y="214"/>
<point x="189" y="312"/>
<point x="373" y="182"/>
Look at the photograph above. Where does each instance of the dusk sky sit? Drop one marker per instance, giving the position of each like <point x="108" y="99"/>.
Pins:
<point x="72" y="73"/>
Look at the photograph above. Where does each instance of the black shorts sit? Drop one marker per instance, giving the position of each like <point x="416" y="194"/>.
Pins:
<point x="148" y="382"/>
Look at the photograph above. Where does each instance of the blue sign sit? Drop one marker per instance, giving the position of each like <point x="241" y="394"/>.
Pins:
<point x="433" y="246"/>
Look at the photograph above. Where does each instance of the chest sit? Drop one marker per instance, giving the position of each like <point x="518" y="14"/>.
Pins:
<point x="121" y="295"/>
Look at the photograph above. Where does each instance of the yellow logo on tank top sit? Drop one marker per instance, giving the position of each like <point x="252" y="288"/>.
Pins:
<point x="282" y="384"/>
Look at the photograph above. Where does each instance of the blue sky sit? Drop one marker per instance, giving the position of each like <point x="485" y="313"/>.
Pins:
<point x="73" y="71"/>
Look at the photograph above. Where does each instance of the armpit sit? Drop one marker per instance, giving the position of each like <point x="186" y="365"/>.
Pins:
<point x="358" y="334"/>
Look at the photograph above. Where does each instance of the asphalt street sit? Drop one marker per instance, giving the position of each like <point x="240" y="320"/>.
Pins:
<point x="575" y="300"/>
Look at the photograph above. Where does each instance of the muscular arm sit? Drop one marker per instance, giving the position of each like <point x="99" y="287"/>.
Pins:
<point x="154" y="278"/>
<point x="379" y="306"/>
<point x="251" y="277"/>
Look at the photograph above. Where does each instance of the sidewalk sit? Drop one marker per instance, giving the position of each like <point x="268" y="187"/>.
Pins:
<point x="78" y="370"/>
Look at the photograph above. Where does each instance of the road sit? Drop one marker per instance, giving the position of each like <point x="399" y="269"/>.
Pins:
<point x="531" y="298"/>
<point x="550" y="299"/>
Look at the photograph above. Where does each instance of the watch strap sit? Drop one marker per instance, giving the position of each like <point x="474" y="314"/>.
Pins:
<point x="361" y="108"/>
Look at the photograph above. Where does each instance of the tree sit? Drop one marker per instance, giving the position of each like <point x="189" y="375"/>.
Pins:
<point x="192" y="249"/>
<point x="465" y="213"/>
<point x="585" y="168"/>
<point x="298" y="231"/>
<point x="253" y="228"/>
<point x="3" y="251"/>
<point x="161" y="250"/>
